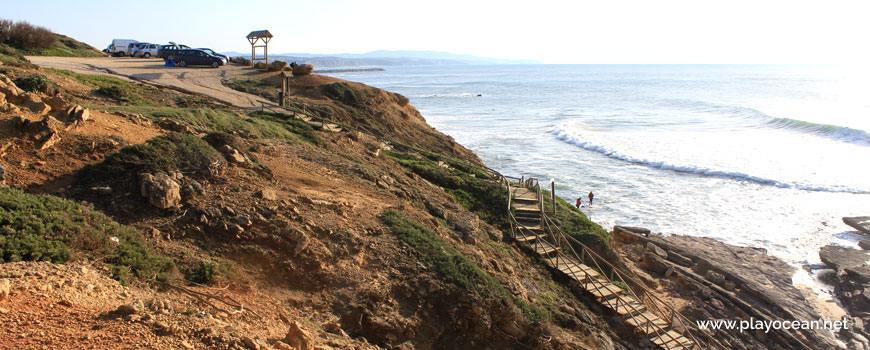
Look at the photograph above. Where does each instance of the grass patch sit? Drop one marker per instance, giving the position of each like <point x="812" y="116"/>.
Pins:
<point x="574" y="223"/>
<point x="451" y="264"/>
<point x="470" y="186"/>
<point x="11" y="57"/>
<point x="48" y="228"/>
<point x="114" y="88"/>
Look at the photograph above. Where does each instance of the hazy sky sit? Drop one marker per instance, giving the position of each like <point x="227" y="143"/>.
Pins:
<point x="664" y="31"/>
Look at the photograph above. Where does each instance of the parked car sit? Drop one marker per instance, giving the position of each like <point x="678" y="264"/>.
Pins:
<point x="211" y="52"/>
<point x="120" y="47"/>
<point x="167" y="52"/>
<point x="145" y="50"/>
<point x="198" y="57"/>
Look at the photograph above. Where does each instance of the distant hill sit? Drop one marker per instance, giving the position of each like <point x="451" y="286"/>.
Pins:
<point x="387" y="58"/>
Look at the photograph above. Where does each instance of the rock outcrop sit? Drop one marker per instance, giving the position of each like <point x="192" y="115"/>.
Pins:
<point x="727" y="282"/>
<point x="860" y="223"/>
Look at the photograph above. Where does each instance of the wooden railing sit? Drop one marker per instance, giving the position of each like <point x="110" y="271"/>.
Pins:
<point x="565" y="246"/>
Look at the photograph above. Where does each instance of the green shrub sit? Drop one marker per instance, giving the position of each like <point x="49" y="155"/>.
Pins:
<point x="33" y="83"/>
<point x="182" y="152"/>
<point x="48" y="228"/>
<point x="23" y="35"/>
<point x="209" y="272"/>
<point x="343" y="93"/>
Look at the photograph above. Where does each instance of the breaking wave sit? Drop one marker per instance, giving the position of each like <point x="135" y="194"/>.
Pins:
<point x="578" y="140"/>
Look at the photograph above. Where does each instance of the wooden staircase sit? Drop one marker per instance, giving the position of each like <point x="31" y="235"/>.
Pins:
<point x="531" y="227"/>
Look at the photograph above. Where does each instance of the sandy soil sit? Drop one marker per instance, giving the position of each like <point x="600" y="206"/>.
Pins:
<point x="198" y="80"/>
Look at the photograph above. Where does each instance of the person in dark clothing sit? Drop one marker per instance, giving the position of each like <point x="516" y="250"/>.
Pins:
<point x="591" y="195"/>
<point x="579" y="203"/>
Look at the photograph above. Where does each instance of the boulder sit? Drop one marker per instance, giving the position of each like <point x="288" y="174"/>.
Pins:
<point x="268" y="194"/>
<point x="2" y="98"/>
<point x="171" y="125"/>
<point x="56" y="103"/>
<point x="74" y="114"/>
<point x="864" y="244"/>
<point x="37" y="107"/>
<point x="2" y="175"/>
<point x="233" y="155"/>
<point x="860" y="223"/>
<point x="160" y="190"/>
<point x="297" y="337"/>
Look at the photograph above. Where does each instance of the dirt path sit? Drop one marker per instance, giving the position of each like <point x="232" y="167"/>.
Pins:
<point x="198" y="80"/>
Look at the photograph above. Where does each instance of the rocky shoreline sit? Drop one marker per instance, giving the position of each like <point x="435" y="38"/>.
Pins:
<point x="717" y="281"/>
<point x="848" y="272"/>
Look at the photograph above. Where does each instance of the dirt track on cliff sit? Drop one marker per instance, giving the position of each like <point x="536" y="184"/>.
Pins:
<point x="198" y="80"/>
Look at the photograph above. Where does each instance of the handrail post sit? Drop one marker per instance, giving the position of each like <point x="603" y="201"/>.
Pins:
<point x="553" y="194"/>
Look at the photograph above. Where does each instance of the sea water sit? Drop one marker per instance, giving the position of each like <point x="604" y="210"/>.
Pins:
<point x="756" y="155"/>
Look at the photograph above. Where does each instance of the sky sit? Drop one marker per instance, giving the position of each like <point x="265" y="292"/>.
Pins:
<point x="579" y="31"/>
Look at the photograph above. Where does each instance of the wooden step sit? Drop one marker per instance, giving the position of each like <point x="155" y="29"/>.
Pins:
<point x="673" y="340"/>
<point x="574" y="269"/>
<point x="543" y="247"/>
<point x="525" y="236"/>
<point x="530" y="226"/>
<point x="604" y="290"/>
<point x="625" y="305"/>
<point x="524" y="193"/>
<point x="527" y="207"/>
<point x="648" y="323"/>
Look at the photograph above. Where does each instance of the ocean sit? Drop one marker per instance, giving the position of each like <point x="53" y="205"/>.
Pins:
<point x="765" y="156"/>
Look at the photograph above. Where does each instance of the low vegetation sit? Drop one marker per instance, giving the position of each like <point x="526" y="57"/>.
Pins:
<point x="343" y="93"/>
<point x="120" y="90"/>
<point x="573" y="222"/>
<point x="23" y="35"/>
<point x="208" y="272"/>
<point x="450" y="263"/>
<point x="11" y="57"/>
<point x="172" y="152"/>
<point x="254" y="87"/>
<point x="31" y="40"/>
<point x="33" y="83"/>
<point x="48" y="228"/>
<point x="470" y="186"/>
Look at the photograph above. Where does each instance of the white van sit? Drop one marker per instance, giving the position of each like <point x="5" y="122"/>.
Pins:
<point x="120" y="47"/>
<point x="145" y="50"/>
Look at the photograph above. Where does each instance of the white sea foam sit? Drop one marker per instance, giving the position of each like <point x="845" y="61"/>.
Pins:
<point x="577" y="139"/>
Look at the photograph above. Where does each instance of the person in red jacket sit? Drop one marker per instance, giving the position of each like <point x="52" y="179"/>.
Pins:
<point x="579" y="203"/>
<point x="591" y="195"/>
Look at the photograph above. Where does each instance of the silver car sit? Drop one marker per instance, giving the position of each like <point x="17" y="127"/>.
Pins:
<point x="145" y="50"/>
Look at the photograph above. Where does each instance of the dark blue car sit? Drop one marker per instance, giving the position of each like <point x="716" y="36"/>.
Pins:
<point x="192" y="57"/>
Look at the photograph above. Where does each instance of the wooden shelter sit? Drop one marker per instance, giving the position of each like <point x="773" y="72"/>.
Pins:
<point x="254" y="38"/>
